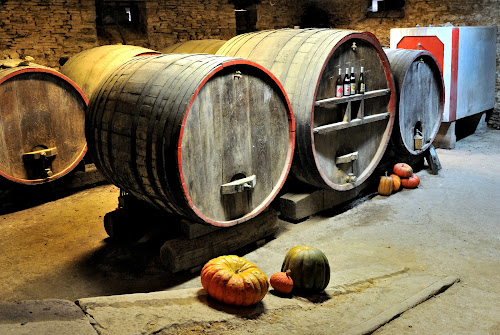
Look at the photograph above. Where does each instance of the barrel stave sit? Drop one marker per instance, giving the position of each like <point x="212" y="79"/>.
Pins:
<point x="89" y="67"/>
<point x="209" y="46"/>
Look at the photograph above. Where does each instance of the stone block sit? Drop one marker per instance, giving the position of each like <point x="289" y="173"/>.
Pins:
<point x="445" y="138"/>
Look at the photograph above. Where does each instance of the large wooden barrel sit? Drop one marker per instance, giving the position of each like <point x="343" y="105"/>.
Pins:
<point x="89" y="67"/>
<point x="42" y="121"/>
<point x="339" y="141"/>
<point x="209" y="46"/>
<point x="208" y="137"/>
<point x="420" y="104"/>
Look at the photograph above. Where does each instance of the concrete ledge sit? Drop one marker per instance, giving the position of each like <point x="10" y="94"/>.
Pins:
<point x="43" y="317"/>
<point x="169" y="311"/>
<point x="340" y="308"/>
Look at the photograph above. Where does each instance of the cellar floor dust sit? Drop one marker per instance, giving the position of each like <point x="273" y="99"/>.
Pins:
<point x="381" y="253"/>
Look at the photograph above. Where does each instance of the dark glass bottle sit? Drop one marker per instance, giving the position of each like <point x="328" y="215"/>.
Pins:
<point x="361" y="82"/>
<point x="347" y="83"/>
<point x="353" y="81"/>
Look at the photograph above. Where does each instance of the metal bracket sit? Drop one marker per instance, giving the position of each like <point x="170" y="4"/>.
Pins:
<point x="346" y="158"/>
<point x="40" y="162"/>
<point x="239" y="185"/>
<point x="44" y="153"/>
<point x="237" y="75"/>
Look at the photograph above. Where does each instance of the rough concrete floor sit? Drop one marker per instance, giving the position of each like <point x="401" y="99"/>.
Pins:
<point x="381" y="252"/>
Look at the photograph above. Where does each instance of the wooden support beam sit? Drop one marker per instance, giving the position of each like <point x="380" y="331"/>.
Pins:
<point x="184" y="253"/>
<point x="298" y="206"/>
<point x="433" y="160"/>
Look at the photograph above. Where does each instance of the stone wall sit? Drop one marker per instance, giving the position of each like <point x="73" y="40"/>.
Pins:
<point x="351" y="15"/>
<point x="278" y="14"/>
<point x="173" y="21"/>
<point x="46" y="30"/>
<point x="49" y="29"/>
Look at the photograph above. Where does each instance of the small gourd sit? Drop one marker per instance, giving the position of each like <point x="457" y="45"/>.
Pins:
<point x="411" y="182"/>
<point x="397" y="182"/>
<point x="385" y="185"/>
<point x="403" y="170"/>
<point x="282" y="281"/>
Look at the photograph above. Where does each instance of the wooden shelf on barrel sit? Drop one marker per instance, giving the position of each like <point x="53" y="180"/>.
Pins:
<point x="348" y="122"/>
<point x="334" y="101"/>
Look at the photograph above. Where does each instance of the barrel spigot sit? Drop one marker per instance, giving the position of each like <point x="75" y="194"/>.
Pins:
<point x="351" y="178"/>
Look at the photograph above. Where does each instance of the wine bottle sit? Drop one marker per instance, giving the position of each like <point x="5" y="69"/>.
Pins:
<point x="361" y="82"/>
<point x="353" y="81"/>
<point x="339" y="88"/>
<point x="347" y="83"/>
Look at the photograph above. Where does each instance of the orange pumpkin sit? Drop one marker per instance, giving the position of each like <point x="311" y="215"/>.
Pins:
<point x="397" y="182"/>
<point x="385" y="185"/>
<point x="411" y="182"/>
<point x="282" y="281"/>
<point x="403" y="170"/>
<point x="234" y="280"/>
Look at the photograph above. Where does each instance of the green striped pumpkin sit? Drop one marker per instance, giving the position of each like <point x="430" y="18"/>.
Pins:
<point x="310" y="268"/>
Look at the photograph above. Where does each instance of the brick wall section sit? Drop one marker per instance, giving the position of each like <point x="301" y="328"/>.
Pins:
<point x="171" y="22"/>
<point x="351" y="15"/>
<point x="46" y="30"/>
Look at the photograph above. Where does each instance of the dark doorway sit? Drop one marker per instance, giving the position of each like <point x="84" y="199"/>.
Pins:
<point x="246" y="15"/>
<point x="121" y="22"/>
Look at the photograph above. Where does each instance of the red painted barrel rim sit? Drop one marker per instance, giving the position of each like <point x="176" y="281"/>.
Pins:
<point x="148" y="53"/>
<point x="291" y="147"/>
<point x="84" y="149"/>
<point x="49" y="71"/>
<point x="391" y="107"/>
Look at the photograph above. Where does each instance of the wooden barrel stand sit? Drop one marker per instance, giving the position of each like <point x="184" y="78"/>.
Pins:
<point x="17" y="196"/>
<point x="188" y="245"/>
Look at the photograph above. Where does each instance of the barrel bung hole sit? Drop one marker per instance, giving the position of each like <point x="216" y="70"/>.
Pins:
<point x="417" y="128"/>
<point x="238" y="176"/>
